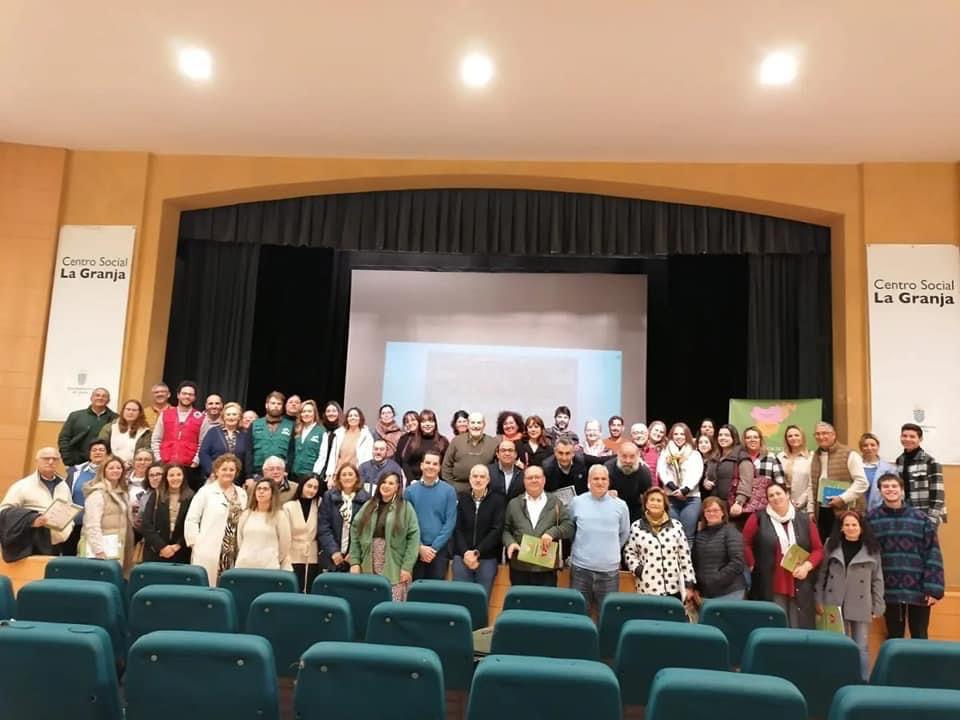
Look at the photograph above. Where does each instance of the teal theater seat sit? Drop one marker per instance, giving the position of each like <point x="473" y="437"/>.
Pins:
<point x="738" y="618"/>
<point x="819" y="663"/>
<point x="445" y="629"/>
<point x="362" y="592"/>
<point x="8" y="604"/>
<point x="213" y="676"/>
<point x="77" y="568"/>
<point x="869" y="702"/>
<point x="246" y="584"/>
<point x="535" y="687"/>
<point x="918" y="663"/>
<point x="548" y="634"/>
<point x="619" y="607"/>
<point x="648" y="646"/>
<point x="176" y="607"/>
<point x="86" y="602"/>
<point x="355" y="681"/>
<point x="549" y="599"/>
<point x="472" y="596"/>
<point x="292" y="622"/>
<point x="687" y="694"/>
<point x="53" y="670"/>
<point x="164" y="573"/>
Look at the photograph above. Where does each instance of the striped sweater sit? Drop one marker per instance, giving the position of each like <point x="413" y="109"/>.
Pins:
<point x="909" y="553"/>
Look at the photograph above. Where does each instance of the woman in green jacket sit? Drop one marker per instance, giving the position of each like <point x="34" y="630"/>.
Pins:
<point x="385" y="537"/>
<point x="307" y="440"/>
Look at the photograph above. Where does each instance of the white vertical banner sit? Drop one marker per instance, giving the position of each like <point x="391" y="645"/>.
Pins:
<point x="914" y="305"/>
<point x="88" y="316"/>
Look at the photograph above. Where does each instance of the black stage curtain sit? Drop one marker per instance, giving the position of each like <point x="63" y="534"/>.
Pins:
<point x="211" y="317"/>
<point x="733" y="283"/>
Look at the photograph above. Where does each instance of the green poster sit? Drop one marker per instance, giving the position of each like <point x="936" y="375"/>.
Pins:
<point x="773" y="417"/>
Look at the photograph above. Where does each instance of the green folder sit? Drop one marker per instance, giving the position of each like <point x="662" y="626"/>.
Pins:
<point x="795" y="556"/>
<point x="829" y="489"/>
<point x="831" y="620"/>
<point x="532" y="554"/>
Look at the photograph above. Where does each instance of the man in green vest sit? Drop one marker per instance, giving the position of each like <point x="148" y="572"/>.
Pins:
<point x="835" y="462"/>
<point x="272" y="434"/>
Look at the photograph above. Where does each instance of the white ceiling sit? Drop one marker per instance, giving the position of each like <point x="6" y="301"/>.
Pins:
<point x="638" y="80"/>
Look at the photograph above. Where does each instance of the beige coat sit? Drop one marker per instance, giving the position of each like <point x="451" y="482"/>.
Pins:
<point x="31" y="494"/>
<point x="303" y="533"/>
<point x="106" y="513"/>
<point x="205" y="524"/>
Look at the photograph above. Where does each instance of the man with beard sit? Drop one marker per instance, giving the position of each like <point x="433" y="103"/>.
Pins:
<point x="213" y="408"/>
<point x="176" y="436"/>
<point x="561" y="427"/>
<point x="629" y="478"/>
<point x="615" y="427"/>
<point x="272" y="434"/>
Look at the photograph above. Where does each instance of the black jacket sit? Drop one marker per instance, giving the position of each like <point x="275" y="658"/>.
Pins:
<point x="479" y="528"/>
<point x="527" y="456"/>
<point x="498" y="481"/>
<point x="718" y="560"/>
<point x="557" y="479"/>
<point x="330" y="523"/>
<point x="19" y="538"/>
<point x="630" y="488"/>
<point x="156" y="528"/>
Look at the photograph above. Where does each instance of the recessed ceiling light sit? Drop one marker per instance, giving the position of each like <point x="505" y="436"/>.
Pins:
<point x="778" y="68"/>
<point x="476" y="70"/>
<point x="196" y="63"/>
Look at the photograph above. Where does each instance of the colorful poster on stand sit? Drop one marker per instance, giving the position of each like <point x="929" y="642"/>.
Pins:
<point x="774" y="416"/>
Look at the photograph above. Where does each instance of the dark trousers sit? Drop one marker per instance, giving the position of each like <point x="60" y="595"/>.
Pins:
<point x="899" y="615"/>
<point x="435" y="570"/>
<point x="195" y="479"/>
<point x="825" y="520"/>
<point x="69" y="546"/>
<point x="525" y="577"/>
<point x="306" y="574"/>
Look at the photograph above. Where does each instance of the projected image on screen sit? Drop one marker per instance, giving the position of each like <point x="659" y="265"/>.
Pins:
<point x="490" y="378"/>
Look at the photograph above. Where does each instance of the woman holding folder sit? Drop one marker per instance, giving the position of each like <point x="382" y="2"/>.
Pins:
<point x="782" y="548"/>
<point x="107" y="526"/>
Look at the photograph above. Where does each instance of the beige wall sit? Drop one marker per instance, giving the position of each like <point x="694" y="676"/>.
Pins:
<point x="862" y="203"/>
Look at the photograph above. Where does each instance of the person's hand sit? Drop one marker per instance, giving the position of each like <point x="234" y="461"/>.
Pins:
<point x="512" y="550"/>
<point x="736" y="510"/>
<point x="39" y="521"/>
<point x="519" y="465"/>
<point x="471" y="558"/>
<point x="427" y="553"/>
<point x="248" y="484"/>
<point x="337" y="558"/>
<point x="709" y="484"/>
<point x="545" y="541"/>
<point x="613" y="493"/>
<point x="405" y="576"/>
<point x="690" y="596"/>
<point x="347" y="560"/>
<point x="819" y="609"/>
<point x="837" y="502"/>
<point x="931" y="600"/>
<point x="167" y="551"/>
<point x="101" y="556"/>
<point x="802" y="570"/>
<point x="355" y="569"/>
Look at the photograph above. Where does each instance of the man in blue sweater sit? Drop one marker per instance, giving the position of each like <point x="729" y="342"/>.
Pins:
<point x="435" y="503"/>
<point x="602" y="527"/>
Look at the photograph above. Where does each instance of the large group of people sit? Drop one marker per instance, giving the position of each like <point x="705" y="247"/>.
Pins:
<point x="314" y="488"/>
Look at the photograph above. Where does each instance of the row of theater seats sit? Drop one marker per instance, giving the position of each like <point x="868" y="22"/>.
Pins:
<point x="639" y="632"/>
<point x="62" y="670"/>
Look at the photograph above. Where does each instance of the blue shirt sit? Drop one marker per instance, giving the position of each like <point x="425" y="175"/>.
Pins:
<point x="82" y="474"/>
<point x="603" y="526"/>
<point x="370" y="472"/>
<point x="436" y="507"/>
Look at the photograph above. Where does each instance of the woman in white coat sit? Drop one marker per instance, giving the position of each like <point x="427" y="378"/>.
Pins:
<point x="303" y="513"/>
<point x="680" y="469"/>
<point x="352" y="444"/>
<point x="263" y="533"/>
<point x="211" y="525"/>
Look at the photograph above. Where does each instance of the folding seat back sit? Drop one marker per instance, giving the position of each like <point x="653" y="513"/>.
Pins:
<point x="535" y="687"/>
<point x="445" y="629"/>
<point x="54" y="670"/>
<point x="619" y="607"/>
<point x="362" y="593"/>
<point x="246" y="584"/>
<point x="292" y="622"/>
<point x="547" y="634"/>
<point x="78" y="568"/>
<point x="738" y="618"/>
<point x="8" y="604"/>
<point x="179" y="607"/>
<point x="214" y="676"/>
<point x="918" y="663"/>
<point x="550" y="599"/>
<point x="881" y="702"/>
<point x="165" y="573"/>
<point x="472" y="596"/>
<point x="348" y="681"/>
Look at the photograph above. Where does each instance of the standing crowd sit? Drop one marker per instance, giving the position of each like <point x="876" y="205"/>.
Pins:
<point x="315" y="489"/>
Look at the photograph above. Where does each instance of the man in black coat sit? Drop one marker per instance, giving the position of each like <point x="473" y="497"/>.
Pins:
<point x="505" y="477"/>
<point x="565" y="468"/>
<point x="629" y="478"/>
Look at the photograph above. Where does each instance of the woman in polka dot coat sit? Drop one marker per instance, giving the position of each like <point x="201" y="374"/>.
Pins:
<point x="657" y="552"/>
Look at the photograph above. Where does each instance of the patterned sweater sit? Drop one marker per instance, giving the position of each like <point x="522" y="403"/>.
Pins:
<point x="909" y="553"/>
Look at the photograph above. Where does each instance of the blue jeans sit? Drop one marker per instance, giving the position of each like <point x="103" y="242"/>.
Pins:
<point x="688" y="513"/>
<point x="483" y="575"/>
<point x="859" y="632"/>
<point x="594" y="584"/>
<point x="735" y="595"/>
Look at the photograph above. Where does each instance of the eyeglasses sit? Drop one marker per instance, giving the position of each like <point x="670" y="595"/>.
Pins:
<point x="48" y="459"/>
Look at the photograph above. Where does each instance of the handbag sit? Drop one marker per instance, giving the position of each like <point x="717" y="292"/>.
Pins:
<point x="758" y="493"/>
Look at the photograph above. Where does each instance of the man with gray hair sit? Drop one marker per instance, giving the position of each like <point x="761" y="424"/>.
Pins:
<point x="602" y="524"/>
<point x="836" y="463"/>
<point x="82" y="427"/>
<point x="473" y="447"/>
<point x="24" y="528"/>
<point x="275" y="469"/>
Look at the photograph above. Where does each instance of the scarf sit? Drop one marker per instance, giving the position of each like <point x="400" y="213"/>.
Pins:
<point x="390" y="434"/>
<point x="676" y="457"/>
<point x="346" y="512"/>
<point x="657" y="523"/>
<point x="785" y="535"/>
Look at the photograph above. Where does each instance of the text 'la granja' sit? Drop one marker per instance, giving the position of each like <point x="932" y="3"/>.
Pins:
<point x="930" y="292"/>
<point x="102" y="268"/>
